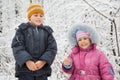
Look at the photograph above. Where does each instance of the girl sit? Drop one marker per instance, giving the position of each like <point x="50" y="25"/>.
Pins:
<point x="34" y="47"/>
<point x="86" y="62"/>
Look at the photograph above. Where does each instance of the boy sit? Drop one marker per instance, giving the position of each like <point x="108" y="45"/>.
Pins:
<point x="34" y="47"/>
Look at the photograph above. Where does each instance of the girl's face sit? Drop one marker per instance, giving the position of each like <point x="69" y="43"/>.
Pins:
<point x="84" y="42"/>
<point x="36" y="19"/>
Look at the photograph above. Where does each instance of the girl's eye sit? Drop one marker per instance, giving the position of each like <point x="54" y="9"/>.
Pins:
<point x="85" y="38"/>
<point x="80" y="39"/>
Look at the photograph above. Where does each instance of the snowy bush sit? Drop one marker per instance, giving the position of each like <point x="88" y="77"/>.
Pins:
<point x="104" y="15"/>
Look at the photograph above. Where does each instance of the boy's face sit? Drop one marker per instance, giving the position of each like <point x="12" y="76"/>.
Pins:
<point x="84" y="42"/>
<point x="36" y="19"/>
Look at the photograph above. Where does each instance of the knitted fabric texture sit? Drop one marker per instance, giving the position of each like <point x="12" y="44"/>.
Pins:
<point x="34" y="8"/>
<point x="80" y="34"/>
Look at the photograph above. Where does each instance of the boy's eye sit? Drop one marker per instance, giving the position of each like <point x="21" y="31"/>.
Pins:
<point x="38" y="15"/>
<point x="41" y="16"/>
<point x="35" y="15"/>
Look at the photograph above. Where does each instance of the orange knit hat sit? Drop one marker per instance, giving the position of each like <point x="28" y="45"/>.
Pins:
<point x="34" y="8"/>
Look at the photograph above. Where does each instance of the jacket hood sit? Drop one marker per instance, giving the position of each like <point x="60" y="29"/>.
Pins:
<point x="82" y="27"/>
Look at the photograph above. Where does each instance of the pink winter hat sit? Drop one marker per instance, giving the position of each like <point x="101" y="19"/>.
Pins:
<point x="80" y="34"/>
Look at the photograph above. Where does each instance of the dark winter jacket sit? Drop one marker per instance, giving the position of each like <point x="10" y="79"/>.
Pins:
<point x="33" y="43"/>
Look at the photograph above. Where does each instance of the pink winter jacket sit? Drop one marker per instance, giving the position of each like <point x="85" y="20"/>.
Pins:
<point x="89" y="64"/>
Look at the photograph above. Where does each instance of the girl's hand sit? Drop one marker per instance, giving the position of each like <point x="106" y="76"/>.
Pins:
<point x="67" y="62"/>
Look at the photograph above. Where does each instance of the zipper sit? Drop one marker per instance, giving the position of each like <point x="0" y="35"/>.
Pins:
<point x="36" y="29"/>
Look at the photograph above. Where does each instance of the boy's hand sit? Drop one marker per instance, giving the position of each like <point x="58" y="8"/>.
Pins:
<point x="31" y="65"/>
<point x="66" y="62"/>
<point x="39" y="64"/>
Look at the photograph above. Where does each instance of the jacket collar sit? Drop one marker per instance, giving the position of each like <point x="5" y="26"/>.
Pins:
<point x="33" y="26"/>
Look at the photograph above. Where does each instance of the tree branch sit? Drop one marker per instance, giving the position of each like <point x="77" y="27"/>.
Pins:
<point x="117" y="11"/>
<point x="113" y="21"/>
<point x="97" y="10"/>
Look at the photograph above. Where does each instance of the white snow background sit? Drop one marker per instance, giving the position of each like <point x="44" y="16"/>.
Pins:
<point x="104" y="15"/>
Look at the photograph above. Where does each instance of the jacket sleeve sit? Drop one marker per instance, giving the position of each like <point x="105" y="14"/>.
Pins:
<point x="71" y="68"/>
<point x="18" y="48"/>
<point x="106" y="69"/>
<point x="51" y="50"/>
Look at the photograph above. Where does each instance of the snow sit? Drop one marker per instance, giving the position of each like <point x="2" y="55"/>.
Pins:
<point x="61" y="15"/>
